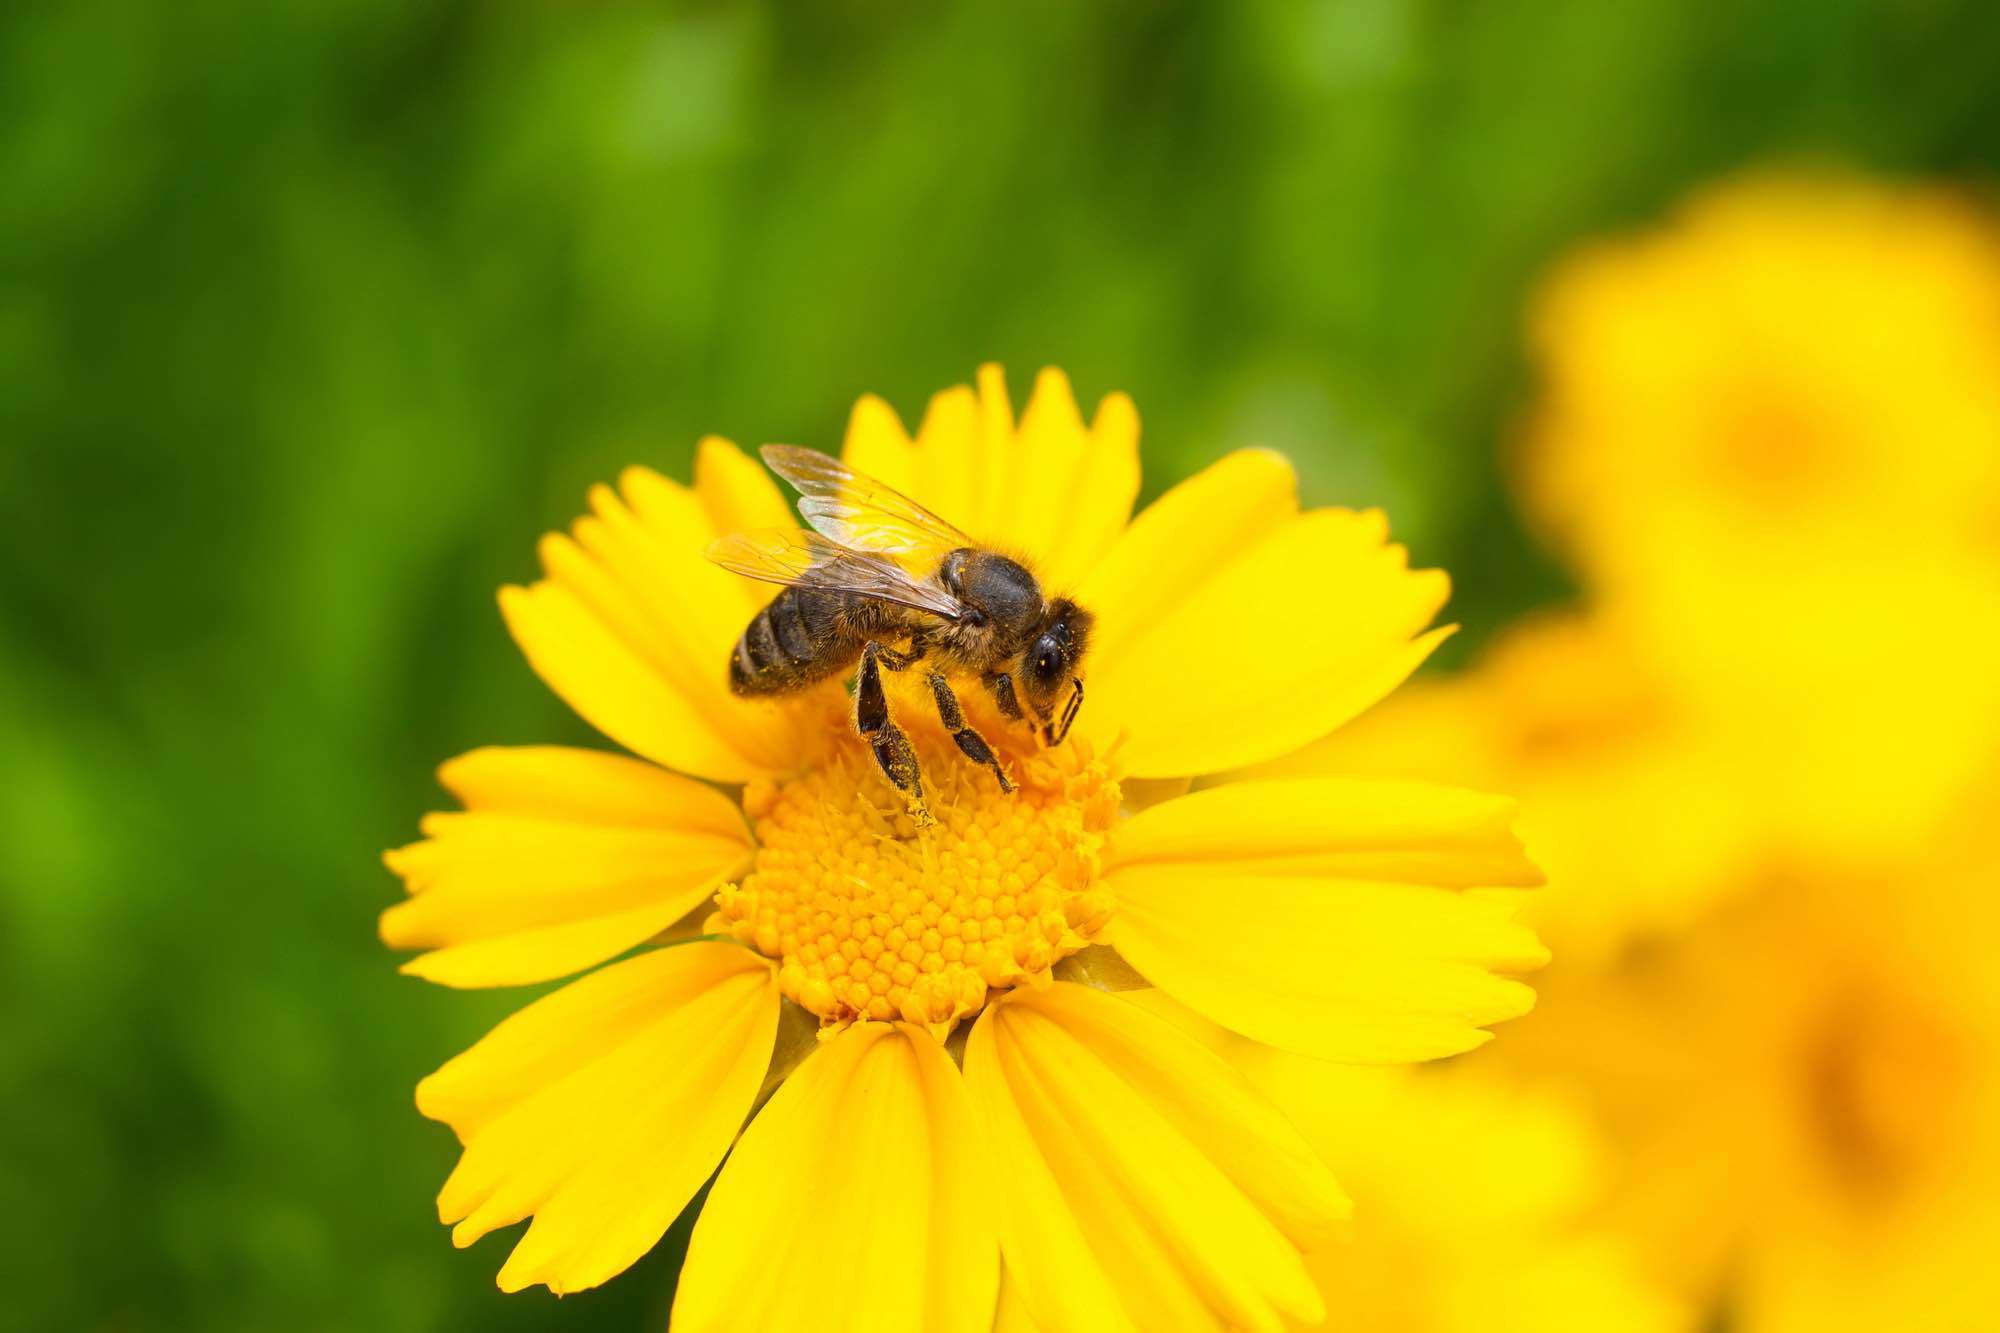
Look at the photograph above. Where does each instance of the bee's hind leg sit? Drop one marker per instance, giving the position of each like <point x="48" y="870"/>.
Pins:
<point x="971" y="742"/>
<point x="892" y="748"/>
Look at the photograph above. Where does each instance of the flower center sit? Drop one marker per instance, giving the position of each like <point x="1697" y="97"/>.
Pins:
<point x="1885" y="1084"/>
<point x="1773" y="453"/>
<point x="871" y="916"/>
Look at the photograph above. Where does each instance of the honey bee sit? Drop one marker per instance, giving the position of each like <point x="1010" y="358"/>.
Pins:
<point x="850" y="595"/>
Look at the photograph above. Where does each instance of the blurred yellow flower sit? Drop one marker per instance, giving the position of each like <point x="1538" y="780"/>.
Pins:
<point x="1759" y="766"/>
<point x="1131" y="1178"/>
<point x="1770" y="436"/>
<point x="1808" y="1091"/>
<point x="1472" y="1205"/>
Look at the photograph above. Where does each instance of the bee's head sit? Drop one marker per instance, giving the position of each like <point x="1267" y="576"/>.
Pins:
<point x="1049" y="666"/>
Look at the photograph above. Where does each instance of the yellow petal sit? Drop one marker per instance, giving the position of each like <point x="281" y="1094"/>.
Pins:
<point x="738" y="495"/>
<point x="1049" y="489"/>
<point x="601" y="1109"/>
<point x="991" y="466"/>
<point x="857" y="1200"/>
<point x="949" y="465"/>
<point x="948" y="456"/>
<point x="586" y="787"/>
<point x="1144" y="1184"/>
<point x="650" y="538"/>
<point x="1567" y="715"/>
<point x="1106" y="486"/>
<point x="1013" y="1316"/>
<point x="564" y="858"/>
<point x="1069" y="489"/>
<point x="538" y="953"/>
<point x="1209" y="1103"/>
<point x="1330" y="916"/>
<point x="634" y="625"/>
<point x="1175" y="541"/>
<point x="878" y="446"/>
<point x="1354" y="696"/>
<point x="1233" y="629"/>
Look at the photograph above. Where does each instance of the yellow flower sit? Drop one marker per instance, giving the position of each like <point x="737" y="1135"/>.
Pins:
<point x="1768" y="437"/>
<point x="1472" y="1205"/>
<point x="1561" y="713"/>
<point x="1131" y="1178"/>
<point x="1807" y="1094"/>
<point x="1791" y="361"/>
<point x="1769" y="441"/>
<point x="1795" y="1060"/>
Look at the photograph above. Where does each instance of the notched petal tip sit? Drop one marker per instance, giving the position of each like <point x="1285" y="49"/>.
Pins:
<point x="560" y="1109"/>
<point x="516" y="602"/>
<point x="1407" y="887"/>
<point x="1240" y="559"/>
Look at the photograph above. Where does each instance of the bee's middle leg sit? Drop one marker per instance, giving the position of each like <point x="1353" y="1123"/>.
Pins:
<point x="970" y="741"/>
<point x="892" y="748"/>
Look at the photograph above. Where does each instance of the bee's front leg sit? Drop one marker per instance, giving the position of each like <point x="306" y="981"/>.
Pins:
<point x="969" y="740"/>
<point x="892" y="748"/>
<point x="1002" y="686"/>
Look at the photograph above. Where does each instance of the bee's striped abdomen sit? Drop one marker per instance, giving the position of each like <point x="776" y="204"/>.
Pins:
<point x="795" y="641"/>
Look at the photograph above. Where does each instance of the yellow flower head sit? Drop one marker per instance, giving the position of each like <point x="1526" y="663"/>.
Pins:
<point x="977" y="1090"/>
<point x="1807" y="1094"/>
<point x="1473" y="1204"/>
<point x="1789" y="364"/>
<point x="1768" y="436"/>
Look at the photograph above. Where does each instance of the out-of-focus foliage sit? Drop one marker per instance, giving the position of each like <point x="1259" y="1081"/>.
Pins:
<point x="311" y="316"/>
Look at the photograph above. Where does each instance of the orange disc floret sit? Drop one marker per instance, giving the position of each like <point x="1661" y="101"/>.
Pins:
<point x="871" y="916"/>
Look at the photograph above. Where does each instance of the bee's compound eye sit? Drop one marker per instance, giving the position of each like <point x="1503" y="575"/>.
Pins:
<point x="1046" y="665"/>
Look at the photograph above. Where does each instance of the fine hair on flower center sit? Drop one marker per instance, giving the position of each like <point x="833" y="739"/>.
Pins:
<point x="871" y="916"/>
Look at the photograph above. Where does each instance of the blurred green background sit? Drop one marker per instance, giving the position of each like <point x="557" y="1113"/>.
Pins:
<point x="313" y="316"/>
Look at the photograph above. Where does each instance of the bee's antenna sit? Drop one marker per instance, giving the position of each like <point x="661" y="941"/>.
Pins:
<point x="1058" y="734"/>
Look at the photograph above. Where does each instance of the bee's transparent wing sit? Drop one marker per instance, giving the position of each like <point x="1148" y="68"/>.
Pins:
<point x="808" y="560"/>
<point x="858" y="512"/>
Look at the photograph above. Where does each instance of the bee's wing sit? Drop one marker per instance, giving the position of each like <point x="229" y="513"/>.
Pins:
<point x="858" y="512"/>
<point x="808" y="560"/>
